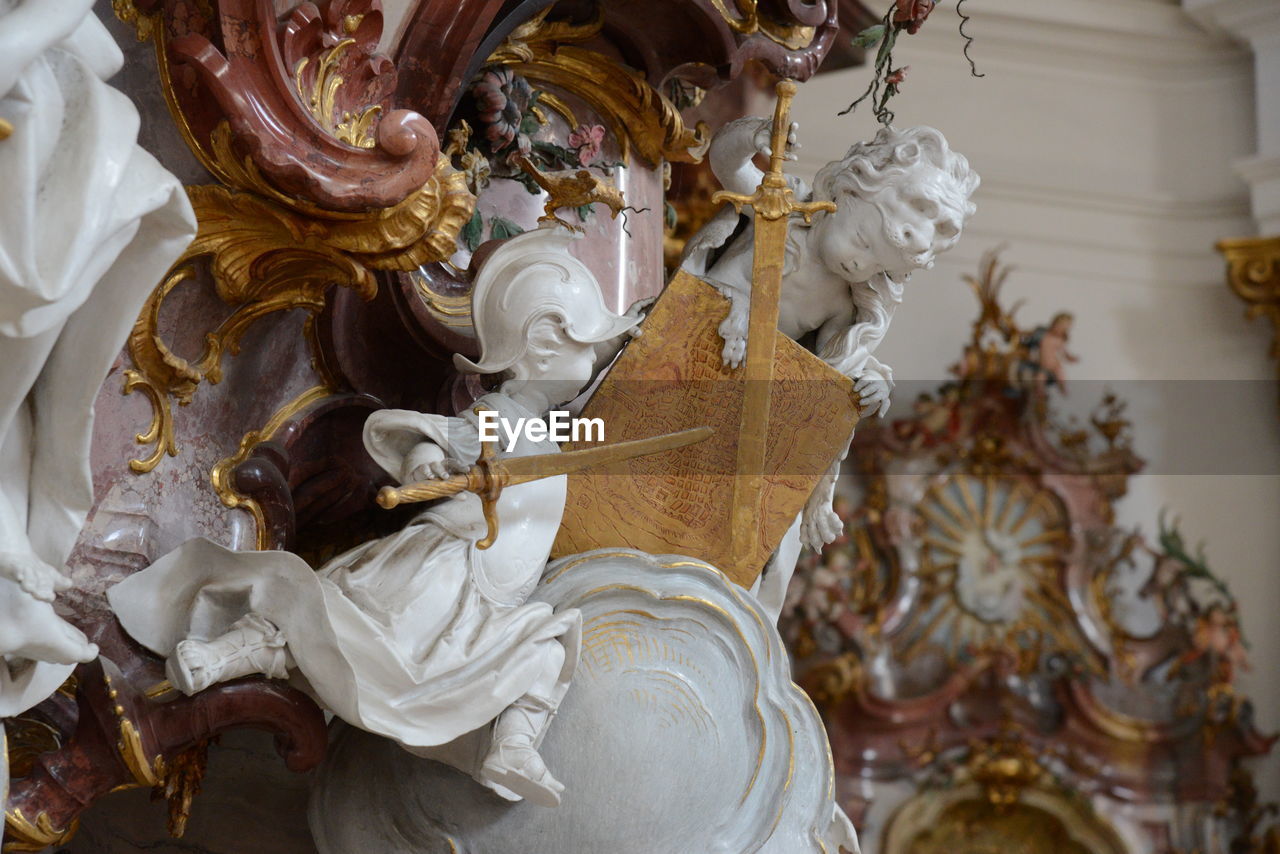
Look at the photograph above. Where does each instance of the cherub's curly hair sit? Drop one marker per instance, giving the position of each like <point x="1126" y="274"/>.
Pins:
<point x="869" y="167"/>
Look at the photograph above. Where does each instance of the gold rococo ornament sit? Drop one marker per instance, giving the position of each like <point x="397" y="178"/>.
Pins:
<point x="546" y="52"/>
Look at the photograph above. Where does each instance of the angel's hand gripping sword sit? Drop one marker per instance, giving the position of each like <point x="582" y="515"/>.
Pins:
<point x="488" y="477"/>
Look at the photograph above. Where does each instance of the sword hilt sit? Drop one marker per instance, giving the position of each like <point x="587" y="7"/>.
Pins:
<point x="773" y="199"/>
<point x="482" y="479"/>
<point x="772" y="205"/>
<point x="392" y="496"/>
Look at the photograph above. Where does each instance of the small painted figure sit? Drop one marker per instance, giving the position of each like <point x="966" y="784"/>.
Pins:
<point x="1046" y="354"/>
<point x="421" y="636"/>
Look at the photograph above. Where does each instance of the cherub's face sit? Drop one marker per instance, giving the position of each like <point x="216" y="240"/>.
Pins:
<point x="558" y="366"/>
<point x="902" y="229"/>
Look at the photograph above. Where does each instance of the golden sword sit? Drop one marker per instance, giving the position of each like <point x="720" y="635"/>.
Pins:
<point x="773" y="202"/>
<point x="490" y="475"/>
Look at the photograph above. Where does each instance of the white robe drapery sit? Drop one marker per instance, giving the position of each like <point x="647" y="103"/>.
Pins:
<point x="89" y="222"/>
<point x="418" y="636"/>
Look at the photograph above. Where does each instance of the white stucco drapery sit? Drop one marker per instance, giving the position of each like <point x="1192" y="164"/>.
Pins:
<point x="89" y="222"/>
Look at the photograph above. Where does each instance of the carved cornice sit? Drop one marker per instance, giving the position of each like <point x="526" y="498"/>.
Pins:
<point x="1253" y="274"/>
<point x="710" y="41"/>
<point x="705" y="42"/>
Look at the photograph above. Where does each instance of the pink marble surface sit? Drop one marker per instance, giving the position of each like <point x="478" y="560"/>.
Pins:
<point x="138" y="517"/>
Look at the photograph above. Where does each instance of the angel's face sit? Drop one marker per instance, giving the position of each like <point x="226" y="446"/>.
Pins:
<point x="560" y="366"/>
<point x="899" y="230"/>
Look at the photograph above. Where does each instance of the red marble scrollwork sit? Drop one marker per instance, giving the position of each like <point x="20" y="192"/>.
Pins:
<point x="93" y="760"/>
<point x="248" y="60"/>
<point x="444" y="45"/>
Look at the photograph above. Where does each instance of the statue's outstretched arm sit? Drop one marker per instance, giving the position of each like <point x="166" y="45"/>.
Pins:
<point x="734" y="146"/>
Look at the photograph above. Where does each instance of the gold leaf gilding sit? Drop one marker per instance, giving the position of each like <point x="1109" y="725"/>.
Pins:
<point x="641" y="117"/>
<point x="265" y="258"/>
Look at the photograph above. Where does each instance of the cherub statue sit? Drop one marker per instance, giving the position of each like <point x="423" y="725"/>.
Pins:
<point x="421" y="636"/>
<point x="1047" y="353"/>
<point x="901" y="199"/>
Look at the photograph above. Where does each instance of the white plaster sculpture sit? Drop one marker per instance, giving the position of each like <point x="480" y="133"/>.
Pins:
<point x="683" y="734"/>
<point x="89" y="222"/>
<point x="901" y="199"/>
<point x="420" y="636"/>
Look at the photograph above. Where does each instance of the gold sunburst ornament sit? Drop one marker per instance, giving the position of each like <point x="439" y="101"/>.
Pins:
<point x="993" y="546"/>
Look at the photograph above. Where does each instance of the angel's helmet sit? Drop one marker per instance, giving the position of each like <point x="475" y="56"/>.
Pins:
<point x="528" y="277"/>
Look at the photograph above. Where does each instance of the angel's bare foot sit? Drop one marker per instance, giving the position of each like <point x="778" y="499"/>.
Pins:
<point x="29" y="628"/>
<point x="252" y="645"/>
<point x="33" y="575"/>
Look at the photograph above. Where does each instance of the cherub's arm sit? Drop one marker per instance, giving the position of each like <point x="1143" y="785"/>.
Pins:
<point x="734" y="146"/>
<point x="607" y="351"/>
<point x="415" y="446"/>
<point x="848" y="346"/>
<point x="834" y="326"/>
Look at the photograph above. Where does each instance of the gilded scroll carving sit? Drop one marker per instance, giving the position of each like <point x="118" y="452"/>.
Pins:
<point x="750" y="19"/>
<point x="223" y="472"/>
<point x="641" y="117"/>
<point x="23" y="834"/>
<point x="284" y="229"/>
<point x="308" y="100"/>
<point x="264" y="258"/>
<point x="1253" y="274"/>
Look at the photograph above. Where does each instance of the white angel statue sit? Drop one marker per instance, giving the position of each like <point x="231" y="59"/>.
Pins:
<point x="901" y="199"/>
<point x="420" y="636"/>
<point x="89" y="222"/>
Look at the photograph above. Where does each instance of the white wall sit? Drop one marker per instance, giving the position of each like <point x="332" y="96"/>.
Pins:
<point x="1104" y="131"/>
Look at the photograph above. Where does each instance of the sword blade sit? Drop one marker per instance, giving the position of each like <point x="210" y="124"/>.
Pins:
<point x="524" y="469"/>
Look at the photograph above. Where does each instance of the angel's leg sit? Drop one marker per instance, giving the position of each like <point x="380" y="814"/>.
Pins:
<point x="513" y="764"/>
<point x="252" y="645"/>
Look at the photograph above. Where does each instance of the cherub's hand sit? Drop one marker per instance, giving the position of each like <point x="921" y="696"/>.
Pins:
<point x="872" y="387"/>
<point x="430" y="463"/>
<point x="33" y="575"/>
<point x="819" y="523"/>
<point x="762" y="140"/>
<point x="639" y="310"/>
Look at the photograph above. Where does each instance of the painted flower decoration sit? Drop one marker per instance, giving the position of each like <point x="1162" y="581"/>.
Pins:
<point x="587" y="141"/>
<point x="896" y="77"/>
<point x="910" y="14"/>
<point x="501" y="97"/>
<point x="477" y="169"/>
